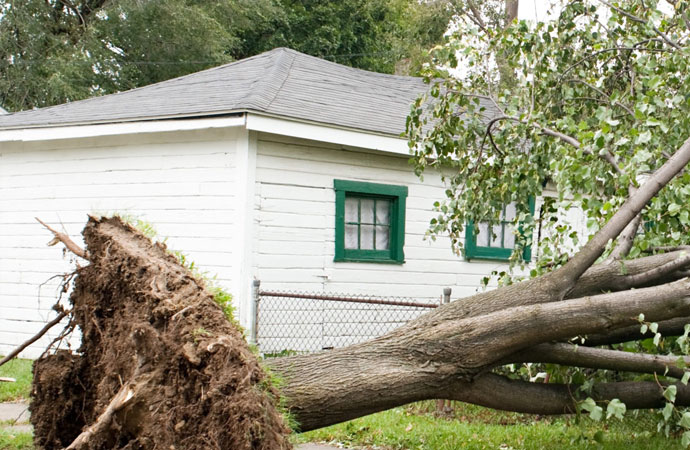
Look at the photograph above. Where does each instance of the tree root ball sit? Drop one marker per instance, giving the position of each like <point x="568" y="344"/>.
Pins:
<point x="159" y="365"/>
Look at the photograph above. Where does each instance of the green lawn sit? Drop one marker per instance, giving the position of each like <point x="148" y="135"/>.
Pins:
<point x="15" y="441"/>
<point x="418" y="427"/>
<point x="19" y="369"/>
<point x="472" y="427"/>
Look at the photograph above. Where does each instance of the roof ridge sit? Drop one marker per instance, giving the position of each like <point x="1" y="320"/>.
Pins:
<point x="265" y="84"/>
<point x="282" y="83"/>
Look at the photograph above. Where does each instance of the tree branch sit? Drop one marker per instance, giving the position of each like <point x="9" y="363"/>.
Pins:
<point x="558" y="135"/>
<point x="670" y="327"/>
<point x="625" y="240"/>
<point x="476" y="15"/>
<point x="658" y="272"/>
<point x="583" y="260"/>
<point x="34" y="338"/>
<point x="62" y="237"/>
<point x="495" y="391"/>
<point x="599" y="358"/>
<point x="640" y="20"/>
<point x="602" y="93"/>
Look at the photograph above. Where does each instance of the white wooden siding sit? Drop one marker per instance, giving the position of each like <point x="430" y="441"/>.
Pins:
<point x="295" y="214"/>
<point x="183" y="183"/>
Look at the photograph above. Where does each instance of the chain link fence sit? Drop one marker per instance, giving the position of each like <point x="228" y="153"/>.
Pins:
<point x="289" y="322"/>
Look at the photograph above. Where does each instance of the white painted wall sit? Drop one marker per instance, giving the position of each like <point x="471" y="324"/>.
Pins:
<point x="182" y="182"/>
<point x="295" y="213"/>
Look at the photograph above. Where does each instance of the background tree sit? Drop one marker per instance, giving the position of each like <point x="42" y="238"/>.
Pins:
<point x="57" y="51"/>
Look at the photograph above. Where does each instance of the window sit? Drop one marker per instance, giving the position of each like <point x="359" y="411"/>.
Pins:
<point x="369" y="222"/>
<point x="497" y="241"/>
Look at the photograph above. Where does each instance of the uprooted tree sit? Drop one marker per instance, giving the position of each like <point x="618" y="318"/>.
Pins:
<point x="598" y="114"/>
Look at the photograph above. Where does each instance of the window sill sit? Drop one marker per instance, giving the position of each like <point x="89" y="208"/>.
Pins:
<point x="369" y="260"/>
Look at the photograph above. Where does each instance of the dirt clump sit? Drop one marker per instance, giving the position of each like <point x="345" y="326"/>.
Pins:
<point x="159" y="365"/>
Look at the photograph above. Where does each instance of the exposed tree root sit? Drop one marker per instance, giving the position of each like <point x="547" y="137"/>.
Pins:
<point x="140" y="379"/>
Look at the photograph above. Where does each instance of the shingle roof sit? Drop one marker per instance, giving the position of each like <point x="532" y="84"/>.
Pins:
<point x="281" y="82"/>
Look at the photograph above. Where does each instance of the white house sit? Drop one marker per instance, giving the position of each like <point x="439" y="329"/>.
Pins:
<point x="281" y="167"/>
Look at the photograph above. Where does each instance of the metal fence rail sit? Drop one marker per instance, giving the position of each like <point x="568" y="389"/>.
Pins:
<point x="302" y="322"/>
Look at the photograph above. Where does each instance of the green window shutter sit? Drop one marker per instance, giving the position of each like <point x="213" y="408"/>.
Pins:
<point x="485" y="246"/>
<point x="369" y="222"/>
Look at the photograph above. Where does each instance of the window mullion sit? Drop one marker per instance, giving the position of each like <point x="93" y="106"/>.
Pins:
<point x="375" y="224"/>
<point x="359" y="223"/>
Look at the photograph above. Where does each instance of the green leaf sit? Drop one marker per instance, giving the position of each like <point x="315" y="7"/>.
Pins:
<point x="670" y="393"/>
<point x="653" y="326"/>
<point x="657" y="339"/>
<point x="597" y="413"/>
<point x="644" y="137"/>
<point x="615" y="408"/>
<point x="685" y="440"/>
<point x="643" y="328"/>
<point x="667" y="412"/>
<point x="686" y="378"/>
<point x="685" y="420"/>
<point x="599" y="436"/>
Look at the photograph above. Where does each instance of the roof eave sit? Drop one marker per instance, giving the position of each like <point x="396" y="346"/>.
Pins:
<point x="75" y="131"/>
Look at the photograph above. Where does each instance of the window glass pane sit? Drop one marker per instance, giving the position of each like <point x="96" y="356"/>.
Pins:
<point x="483" y="235"/>
<point x="382" y="237"/>
<point x="366" y="237"/>
<point x="351" y="237"/>
<point x="383" y="208"/>
<point x="509" y="240"/>
<point x="496" y="237"/>
<point x="351" y="205"/>
<point x="510" y="212"/>
<point x="367" y="210"/>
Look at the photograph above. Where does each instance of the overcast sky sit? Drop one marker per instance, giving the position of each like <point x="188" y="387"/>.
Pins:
<point x="536" y="9"/>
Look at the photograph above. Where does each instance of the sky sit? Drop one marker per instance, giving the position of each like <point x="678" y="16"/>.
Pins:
<point x="537" y="10"/>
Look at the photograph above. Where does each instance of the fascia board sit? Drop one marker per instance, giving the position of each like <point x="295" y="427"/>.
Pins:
<point x="85" y="131"/>
<point x="325" y="133"/>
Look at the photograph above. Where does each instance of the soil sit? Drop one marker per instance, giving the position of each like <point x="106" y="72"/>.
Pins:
<point x="152" y="333"/>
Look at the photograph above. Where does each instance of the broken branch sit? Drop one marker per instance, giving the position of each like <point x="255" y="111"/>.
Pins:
<point x="36" y="337"/>
<point x="62" y="237"/>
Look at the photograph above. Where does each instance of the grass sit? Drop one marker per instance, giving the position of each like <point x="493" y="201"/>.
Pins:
<point x="19" y="369"/>
<point x="415" y="427"/>
<point x="15" y="441"/>
<point x="418" y="427"/>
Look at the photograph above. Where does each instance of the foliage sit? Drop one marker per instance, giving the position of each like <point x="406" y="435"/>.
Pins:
<point x="20" y="370"/>
<point x="53" y="51"/>
<point x="474" y="427"/>
<point x="599" y="100"/>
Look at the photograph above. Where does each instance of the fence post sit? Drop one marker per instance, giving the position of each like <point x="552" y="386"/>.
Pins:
<point x="256" y="284"/>
<point x="446" y="295"/>
<point x="444" y="406"/>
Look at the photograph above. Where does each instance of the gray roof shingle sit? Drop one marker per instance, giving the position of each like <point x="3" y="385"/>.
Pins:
<point x="281" y="82"/>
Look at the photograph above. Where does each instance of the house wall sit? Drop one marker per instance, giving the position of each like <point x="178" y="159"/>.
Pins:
<point x="295" y="213"/>
<point x="182" y="182"/>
